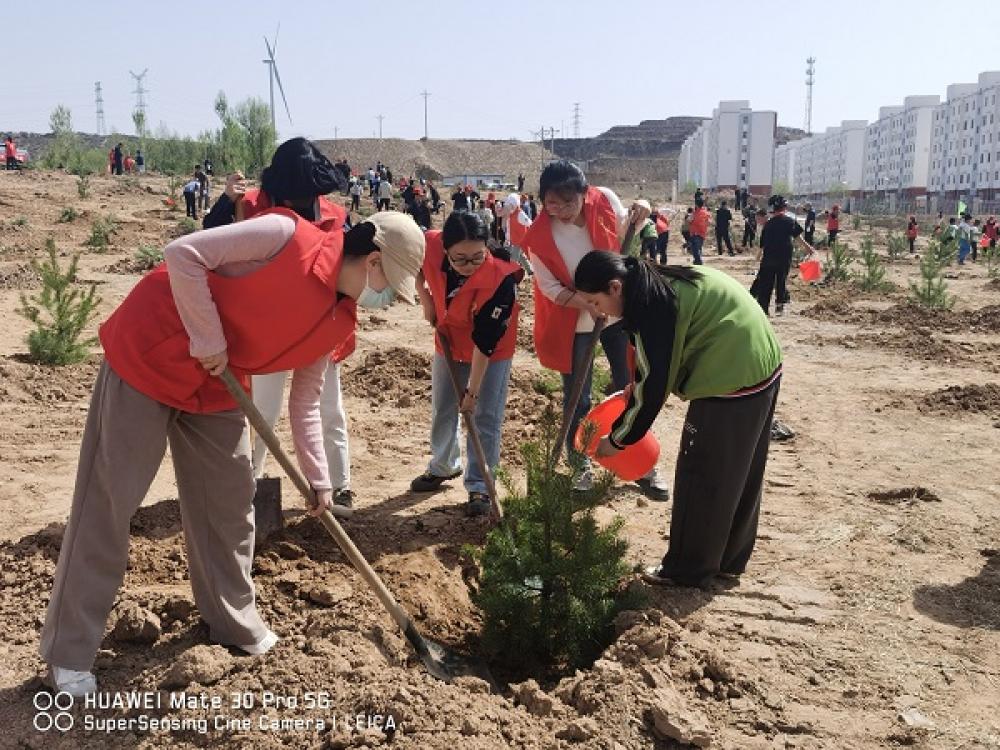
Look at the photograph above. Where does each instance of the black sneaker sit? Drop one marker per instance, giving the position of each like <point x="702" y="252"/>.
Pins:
<point x="428" y="482"/>
<point x="478" y="504"/>
<point x="344" y="497"/>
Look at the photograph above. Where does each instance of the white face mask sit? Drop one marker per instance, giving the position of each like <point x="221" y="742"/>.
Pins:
<point x="376" y="300"/>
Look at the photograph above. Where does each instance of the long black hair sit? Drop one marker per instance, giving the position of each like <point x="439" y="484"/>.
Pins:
<point x="643" y="284"/>
<point x="300" y="172"/>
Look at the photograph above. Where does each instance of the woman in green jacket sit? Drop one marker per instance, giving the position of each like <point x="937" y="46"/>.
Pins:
<point x="698" y="334"/>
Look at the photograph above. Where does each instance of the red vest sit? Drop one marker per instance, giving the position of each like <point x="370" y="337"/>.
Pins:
<point x="555" y="325"/>
<point x="456" y="319"/>
<point x="662" y="224"/>
<point x="332" y="217"/>
<point x="283" y="316"/>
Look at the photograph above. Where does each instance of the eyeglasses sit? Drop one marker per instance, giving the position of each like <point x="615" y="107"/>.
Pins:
<point x="461" y="260"/>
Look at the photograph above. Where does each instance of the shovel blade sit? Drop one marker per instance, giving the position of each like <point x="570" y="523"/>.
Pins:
<point x="267" y="509"/>
<point x="446" y="664"/>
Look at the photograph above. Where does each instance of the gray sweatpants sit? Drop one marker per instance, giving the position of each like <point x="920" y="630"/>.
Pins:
<point x="123" y="445"/>
<point x="717" y="486"/>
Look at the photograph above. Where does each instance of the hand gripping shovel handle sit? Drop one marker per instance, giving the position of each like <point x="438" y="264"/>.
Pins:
<point x="496" y="512"/>
<point x="336" y="530"/>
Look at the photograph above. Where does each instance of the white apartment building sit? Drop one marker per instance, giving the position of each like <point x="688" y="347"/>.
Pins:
<point x="827" y="162"/>
<point x="733" y="149"/>
<point x="898" y="148"/>
<point x="965" y="148"/>
<point x="784" y="167"/>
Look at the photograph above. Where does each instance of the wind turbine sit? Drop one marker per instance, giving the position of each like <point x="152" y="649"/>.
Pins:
<point x="273" y="76"/>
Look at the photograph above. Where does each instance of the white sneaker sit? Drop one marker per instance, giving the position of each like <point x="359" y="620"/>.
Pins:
<point x="654" y="486"/>
<point x="584" y="481"/>
<point x="76" y="683"/>
<point x="262" y="646"/>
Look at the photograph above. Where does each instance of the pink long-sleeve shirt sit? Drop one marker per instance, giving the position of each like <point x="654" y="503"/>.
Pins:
<point x="236" y="250"/>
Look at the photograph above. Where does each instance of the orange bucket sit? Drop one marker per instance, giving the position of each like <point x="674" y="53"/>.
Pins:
<point x="810" y="270"/>
<point x="633" y="461"/>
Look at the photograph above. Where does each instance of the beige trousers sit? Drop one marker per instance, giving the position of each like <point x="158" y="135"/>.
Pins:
<point x="123" y="445"/>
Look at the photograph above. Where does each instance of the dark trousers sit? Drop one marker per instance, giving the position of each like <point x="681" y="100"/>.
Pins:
<point x="721" y="237"/>
<point x="118" y="167"/>
<point x="686" y="245"/>
<point x="749" y="235"/>
<point x="383" y="204"/>
<point x="661" y="247"/>
<point x="913" y="241"/>
<point x="614" y="340"/>
<point x="809" y="235"/>
<point x="696" y="243"/>
<point x="11" y="162"/>
<point x="831" y="236"/>
<point x="355" y="202"/>
<point x="718" y="484"/>
<point x="191" y="207"/>
<point x="771" y="277"/>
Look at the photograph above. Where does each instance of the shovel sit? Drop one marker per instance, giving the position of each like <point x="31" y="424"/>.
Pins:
<point x="440" y="661"/>
<point x="496" y="514"/>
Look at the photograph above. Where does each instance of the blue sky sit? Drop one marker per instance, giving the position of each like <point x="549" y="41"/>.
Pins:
<point x="494" y="69"/>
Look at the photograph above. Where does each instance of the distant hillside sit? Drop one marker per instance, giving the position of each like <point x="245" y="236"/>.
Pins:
<point x="434" y="159"/>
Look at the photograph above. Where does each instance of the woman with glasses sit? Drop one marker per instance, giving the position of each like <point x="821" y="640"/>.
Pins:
<point x="469" y="296"/>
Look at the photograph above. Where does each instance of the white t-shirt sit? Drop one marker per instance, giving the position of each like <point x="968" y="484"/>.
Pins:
<point x="573" y="243"/>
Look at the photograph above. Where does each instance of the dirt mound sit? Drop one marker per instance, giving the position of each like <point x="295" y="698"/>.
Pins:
<point x="22" y="276"/>
<point x="921" y="343"/>
<point x="24" y="382"/>
<point x="394" y="375"/>
<point x="908" y="315"/>
<point x="904" y="495"/>
<point x="961" y="399"/>
<point x="993" y="285"/>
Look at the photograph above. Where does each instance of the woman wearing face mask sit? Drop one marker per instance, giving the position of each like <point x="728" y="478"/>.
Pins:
<point x="471" y="298"/>
<point x="699" y="335"/>
<point x="300" y="175"/>
<point x="273" y="293"/>
<point x="577" y="218"/>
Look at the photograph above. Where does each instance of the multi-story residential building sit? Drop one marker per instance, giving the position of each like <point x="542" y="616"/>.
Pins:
<point x="827" y="162"/>
<point x="898" y="149"/>
<point x="733" y="149"/>
<point x="965" y="148"/>
<point x="784" y="167"/>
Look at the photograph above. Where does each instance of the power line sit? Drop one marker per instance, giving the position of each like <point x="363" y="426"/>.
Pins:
<point x="99" y="103"/>
<point x="425" y="94"/>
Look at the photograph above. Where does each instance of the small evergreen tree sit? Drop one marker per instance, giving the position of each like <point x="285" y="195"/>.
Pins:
<point x="931" y="290"/>
<point x="550" y="575"/>
<point x="840" y="261"/>
<point x="943" y="253"/>
<point x="59" y="312"/>
<point x="896" y="245"/>
<point x="992" y="255"/>
<point x="83" y="185"/>
<point x="872" y="276"/>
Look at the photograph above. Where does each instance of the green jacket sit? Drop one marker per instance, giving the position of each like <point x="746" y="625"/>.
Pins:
<point x="716" y="342"/>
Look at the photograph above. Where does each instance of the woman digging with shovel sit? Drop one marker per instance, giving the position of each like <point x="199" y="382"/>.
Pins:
<point x="698" y="334"/>
<point x="471" y="299"/>
<point x="274" y="293"/>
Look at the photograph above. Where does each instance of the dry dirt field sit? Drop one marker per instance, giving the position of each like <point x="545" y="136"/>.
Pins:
<point x="869" y="616"/>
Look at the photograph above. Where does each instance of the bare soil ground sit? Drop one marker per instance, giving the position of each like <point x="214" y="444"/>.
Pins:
<point x="869" y="616"/>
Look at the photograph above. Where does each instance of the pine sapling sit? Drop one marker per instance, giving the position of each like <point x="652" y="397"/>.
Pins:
<point x="896" y="245"/>
<point x="872" y="277"/>
<point x="931" y="290"/>
<point x="992" y="257"/>
<point x="60" y="312"/>
<point x="840" y="261"/>
<point x="550" y="575"/>
<point x="83" y="186"/>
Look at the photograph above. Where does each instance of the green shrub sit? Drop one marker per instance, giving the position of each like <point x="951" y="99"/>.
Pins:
<point x="83" y="186"/>
<point x="20" y="221"/>
<point x="101" y="231"/>
<point x="992" y="255"/>
<point x="896" y="245"/>
<point x="547" y="383"/>
<point x="68" y="215"/>
<point x="147" y="257"/>
<point x="856" y="222"/>
<point x="550" y="583"/>
<point x="943" y="253"/>
<point x="59" y="312"/>
<point x="931" y="290"/>
<point x="841" y="259"/>
<point x="185" y="226"/>
<point x="872" y="277"/>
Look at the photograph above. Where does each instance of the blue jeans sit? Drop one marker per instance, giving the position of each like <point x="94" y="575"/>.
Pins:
<point x="446" y="455"/>
<point x="615" y="343"/>
<point x="964" y="248"/>
<point x="695" y="244"/>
